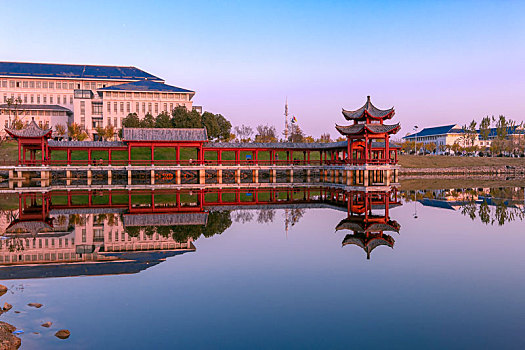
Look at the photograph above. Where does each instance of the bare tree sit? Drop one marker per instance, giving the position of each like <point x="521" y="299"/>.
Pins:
<point x="244" y="133"/>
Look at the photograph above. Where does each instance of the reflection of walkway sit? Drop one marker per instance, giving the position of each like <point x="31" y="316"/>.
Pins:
<point x="66" y="233"/>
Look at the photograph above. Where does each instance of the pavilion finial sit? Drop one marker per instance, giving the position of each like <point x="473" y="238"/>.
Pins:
<point x="368" y="99"/>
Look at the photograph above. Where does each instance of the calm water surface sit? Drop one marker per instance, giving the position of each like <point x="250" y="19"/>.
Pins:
<point x="448" y="282"/>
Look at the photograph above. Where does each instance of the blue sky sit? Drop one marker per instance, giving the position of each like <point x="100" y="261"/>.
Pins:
<point x="436" y="62"/>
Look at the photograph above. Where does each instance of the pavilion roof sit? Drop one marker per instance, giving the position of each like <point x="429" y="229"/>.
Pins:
<point x="369" y="110"/>
<point x="357" y="129"/>
<point x="360" y="226"/>
<point x="32" y="130"/>
<point x="369" y="242"/>
<point x="164" y="134"/>
<point x="165" y="219"/>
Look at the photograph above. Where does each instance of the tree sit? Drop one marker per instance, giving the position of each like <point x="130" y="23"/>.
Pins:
<point x="131" y="121"/>
<point x="243" y="133"/>
<point x="60" y="130"/>
<point x="225" y="127"/>
<point x="484" y="128"/>
<point x="76" y="133"/>
<point x="469" y="133"/>
<point x="209" y="120"/>
<point x="148" y="121"/>
<point x="181" y="118"/>
<point x="309" y="139"/>
<point x="296" y="134"/>
<point x="430" y="147"/>
<point x="325" y="138"/>
<point x="163" y="120"/>
<point x="266" y="133"/>
<point x="14" y="108"/>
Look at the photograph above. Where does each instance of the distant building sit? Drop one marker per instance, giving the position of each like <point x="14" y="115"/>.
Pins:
<point x="91" y="96"/>
<point x="448" y="135"/>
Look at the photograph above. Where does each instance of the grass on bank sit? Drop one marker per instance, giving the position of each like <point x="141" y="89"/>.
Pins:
<point x="431" y="161"/>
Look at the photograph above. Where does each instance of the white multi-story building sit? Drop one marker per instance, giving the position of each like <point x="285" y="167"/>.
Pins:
<point x="91" y="96"/>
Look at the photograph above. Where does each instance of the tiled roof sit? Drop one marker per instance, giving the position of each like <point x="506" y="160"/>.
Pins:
<point x="145" y="85"/>
<point x="360" y="226"/>
<point x="171" y="219"/>
<point x="32" y="130"/>
<point x="37" y="108"/>
<point x="53" y="70"/>
<point x="161" y="134"/>
<point x="33" y="227"/>
<point x="276" y="145"/>
<point x="437" y="130"/>
<point x="369" y="242"/>
<point x="373" y="128"/>
<point x="85" y="144"/>
<point x="368" y="110"/>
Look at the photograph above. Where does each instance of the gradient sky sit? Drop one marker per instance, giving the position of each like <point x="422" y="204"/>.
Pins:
<point x="436" y="62"/>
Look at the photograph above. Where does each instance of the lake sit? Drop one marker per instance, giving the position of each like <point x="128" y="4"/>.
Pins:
<point x="291" y="267"/>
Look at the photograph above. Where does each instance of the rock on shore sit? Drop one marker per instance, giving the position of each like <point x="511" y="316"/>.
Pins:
<point x="8" y="340"/>
<point x="63" y="334"/>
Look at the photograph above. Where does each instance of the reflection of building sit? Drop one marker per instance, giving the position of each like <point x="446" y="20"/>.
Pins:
<point x="83" y="240"/>
<point x="368" y="218"/>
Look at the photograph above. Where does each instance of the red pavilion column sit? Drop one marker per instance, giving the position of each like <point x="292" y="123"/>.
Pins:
<point x="387" y="148"/>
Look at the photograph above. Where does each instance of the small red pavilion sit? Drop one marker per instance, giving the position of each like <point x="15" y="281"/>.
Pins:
<point x="31" y="138"/>
<point x="368" y="138"/>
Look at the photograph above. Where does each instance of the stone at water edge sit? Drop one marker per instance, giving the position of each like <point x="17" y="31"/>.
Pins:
<point x="63" y="334"/>
<point x="37" y="305"/>
<point x="3" y="289"/>
<point x="7" y="306"/>
<point x="7" y="339"/>
<point x="47" y="324"/>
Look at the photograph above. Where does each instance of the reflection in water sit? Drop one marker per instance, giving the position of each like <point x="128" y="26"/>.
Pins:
<point x="69" y="233"/>
<point x="489" y="205"/>
<point x="368" y="218"/>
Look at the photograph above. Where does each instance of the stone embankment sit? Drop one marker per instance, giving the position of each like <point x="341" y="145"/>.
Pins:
<point x="464" y="171"/>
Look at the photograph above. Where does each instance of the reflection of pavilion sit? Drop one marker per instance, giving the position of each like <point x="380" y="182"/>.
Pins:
<point x="368" y="228"/>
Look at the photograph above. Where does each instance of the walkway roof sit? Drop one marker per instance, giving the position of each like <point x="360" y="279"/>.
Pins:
<point x="164" y="134"/>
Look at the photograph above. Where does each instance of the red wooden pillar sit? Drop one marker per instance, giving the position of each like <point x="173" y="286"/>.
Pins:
<point x="201" y="155"/>
<point x="24" y="154"/>
<point x="152" y="155"/>
<point x="89" y="156"/>
<point x="308" y="157"/>
<point x="90" y="198"/>
<point x="387" y="148"/>
<point x="348" y="151"/>
<point x="256" y="158"/>
<point x="19" y="153"/>
<point x="41" y="151"/>
<point x="129" y="154"/>
<point x="219" y="157"/>
<point x="177" y="155"/>
<point x="109" y="156"/>
<point x="237" y="157"/>
<point x="68" y="156"/>
<point x="366" y="149"/>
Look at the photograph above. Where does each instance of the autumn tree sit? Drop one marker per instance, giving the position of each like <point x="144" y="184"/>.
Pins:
<point x="76" y="132"/>
<point x="60" y="130"/>
<point x="325" y="138"/>
<point x="243" y="133"/>
<point x="266" y="133"/>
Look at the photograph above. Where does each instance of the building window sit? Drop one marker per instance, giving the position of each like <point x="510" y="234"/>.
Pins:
<point x="137" y="107"/>
<point x="25" y="84"/>
<point x="72" y="86"/>
<point x="4" y="83"/>
<point x="121" y="107"/>
<point x="51" y="85"/>
<point x="171" y="107"/>
<point x="109" y="107"/>
<point x="45" y="99"/>
<point x="97" y="108"/>
<point x="64" y="99"/>
<point x="51" y="99"/>
<point x="71" y="99"/>
<point x="58" y="99"/>
<point x="82" y="108"/>
<point x="115" y="122"/>
<point x="25" y="98"/>
<point x="59" y="85"/>
<point x="143" y="107"/>
<point x="38" y="99"/>
<point x="32" y="99"/>
<point x="12" y="84"/>
<point x="149" y="107"/>
<point x="38" y="84"/>
<point x="93" y="86"/>
<point x="165" y="107"/>
<point x="115" y="107"/>
<point x="44" y="85"/>
<point x="31" y="84"/>
<point x="108" y="94"/>
<point x="128" y="107"/>
<point x="156" y="108"/>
